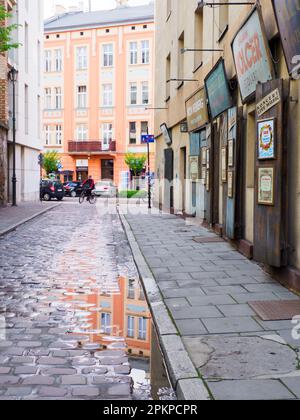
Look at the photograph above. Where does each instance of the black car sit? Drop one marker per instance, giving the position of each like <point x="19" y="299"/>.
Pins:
<point x="73" y="189"/>
<point x="51" y="189"/>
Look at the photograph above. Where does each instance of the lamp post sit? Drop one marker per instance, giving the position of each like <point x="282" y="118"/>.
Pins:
<point x="13" y="77"/>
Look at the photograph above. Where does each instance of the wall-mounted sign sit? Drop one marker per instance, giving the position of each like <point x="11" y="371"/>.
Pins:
<point x="224" y="164"/>
<point x="196" y="110"/>
<point x="82" y="163"/>
<point x="194" y="168"/>
<point x="266" y="139"/>
<point x="230" y="153"/>
<point x="217" y="90"/>
<point x="207" y="181"/>
<point x="203" y="156"/>
<point x="266" y="186"/>
<point x="230" y="184"/>
<point x="208" y="158"/>
<point x="203" y="176"/>
<point x="288" y="19"/>
<point x="268" y="102"/>
<point x="252" y="55"/>
<point x="166" y="133"/>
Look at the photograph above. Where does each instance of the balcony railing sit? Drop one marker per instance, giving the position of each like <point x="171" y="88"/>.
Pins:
<point x="91" y="146"/>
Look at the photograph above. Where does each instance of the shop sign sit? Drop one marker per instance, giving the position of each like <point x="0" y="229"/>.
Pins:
<point x="266" y="186"/>
<point x="268" y="102"/>
<point x="266" y="139"/>
<point x="82" y="163"/>
<point x="217" y="90"/>
<point x="194" y="168"/>
<point x="196" y="111"/>
<point x="167" y="134"/>
<point x="252" y="55"/>
<point x="288" y="19"/>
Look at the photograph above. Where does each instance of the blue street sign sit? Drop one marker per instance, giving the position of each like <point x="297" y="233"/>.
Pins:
<point x="148" y="138"/>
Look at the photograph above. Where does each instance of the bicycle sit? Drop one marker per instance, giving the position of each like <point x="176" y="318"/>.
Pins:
<point x="91" y="198"/>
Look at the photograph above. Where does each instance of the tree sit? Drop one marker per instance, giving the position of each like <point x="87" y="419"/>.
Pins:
<point x="51" y="162"/>
<point x="136" y="163"/>
<point x="6" y="31"/>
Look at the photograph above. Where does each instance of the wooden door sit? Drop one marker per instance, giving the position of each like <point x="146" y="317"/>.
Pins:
<point x="169" y="178"/>
<point x="270" y="212"/>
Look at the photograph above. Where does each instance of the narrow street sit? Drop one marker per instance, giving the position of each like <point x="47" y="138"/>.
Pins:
<point x="53" y="273"/>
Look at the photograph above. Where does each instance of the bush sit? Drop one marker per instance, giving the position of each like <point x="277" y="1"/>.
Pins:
<point x="133" y="194"/>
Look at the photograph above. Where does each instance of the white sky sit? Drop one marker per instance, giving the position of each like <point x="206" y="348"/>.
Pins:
<point x="96" y="4"/>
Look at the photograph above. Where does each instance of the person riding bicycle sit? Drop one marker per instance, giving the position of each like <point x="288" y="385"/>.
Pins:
<point x="88" y="186"/>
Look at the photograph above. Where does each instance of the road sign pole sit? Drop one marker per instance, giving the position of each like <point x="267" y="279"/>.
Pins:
<point x="149" y="179"/>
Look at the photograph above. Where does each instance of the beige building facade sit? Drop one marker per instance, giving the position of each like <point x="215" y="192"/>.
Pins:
<point x="227" y="127"/>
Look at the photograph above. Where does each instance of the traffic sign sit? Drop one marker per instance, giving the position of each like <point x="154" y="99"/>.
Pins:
<point x="148" y="138"/>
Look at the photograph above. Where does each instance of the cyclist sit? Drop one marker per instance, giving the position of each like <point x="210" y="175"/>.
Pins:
<point x="88" y="186"/>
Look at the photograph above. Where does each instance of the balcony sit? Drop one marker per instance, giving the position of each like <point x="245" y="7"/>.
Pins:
<point x="92" y="147"/>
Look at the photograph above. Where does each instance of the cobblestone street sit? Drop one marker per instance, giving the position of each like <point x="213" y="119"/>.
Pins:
<point x="52" y="272"/>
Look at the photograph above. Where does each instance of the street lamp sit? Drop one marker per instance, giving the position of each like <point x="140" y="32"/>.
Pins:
<point x="13" y="78"/>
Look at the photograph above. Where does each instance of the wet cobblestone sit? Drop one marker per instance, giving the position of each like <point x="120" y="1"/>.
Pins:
<point x="48" y="270"/>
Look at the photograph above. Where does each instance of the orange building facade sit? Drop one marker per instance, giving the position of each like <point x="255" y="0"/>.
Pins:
<point x="99" y="90"/>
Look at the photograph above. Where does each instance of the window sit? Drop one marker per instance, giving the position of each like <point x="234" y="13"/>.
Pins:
<point x="131" y="289"/>
<point x="48" y="98"/>
<point x="107" y="94"/>
<point x="198" y="41"/>
<point x="81" y="132"/>
<point x="107" y="134"/>
<point x="106" y="322"/>
<point x="144" y="128"/>
<point x="145" y="93"/>
<point x="58" y="135"/>
<point x="142" y="329"/>
<point x="58" y="98"/>
<point x="47" y="135"/>
<point x="130" y="327"/>
<point x="180" y="73"/>
<point x="108" y="55"/>
<point x="48" y="59"/>
<point x="82" y="97"/>
<point x="132" y="133"/>
<point x="145" y="52"/>
<point x="133" y="53"/>
<point x="81" y="58"/>
<point x="133" y="94"/>
<point x="58" y="61"/>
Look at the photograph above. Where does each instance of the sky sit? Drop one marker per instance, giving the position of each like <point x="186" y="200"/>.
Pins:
<point x="96" y="4"/>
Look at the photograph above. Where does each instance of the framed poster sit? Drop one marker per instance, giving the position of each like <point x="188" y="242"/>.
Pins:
<point x="266" y="139"/>
<point x="207" y="181"/>
<point x="203" y="157"/>
<point x="194" y="168"/>
<point x="224" y="164"/>
<point x="266" y="186"/>
<point x="231" y="153"/>
<point x="203" y="176"/>
<point x="208" y="158"/>
<point x="230" y="184"/>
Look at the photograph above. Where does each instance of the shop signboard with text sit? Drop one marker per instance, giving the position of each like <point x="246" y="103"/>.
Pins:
<point x="252" y="55"/>
<point x="196" y="111"/>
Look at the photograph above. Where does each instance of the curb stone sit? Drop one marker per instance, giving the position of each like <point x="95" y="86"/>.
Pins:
<point x="28" y="219"/>
<point x="183" y="374"/>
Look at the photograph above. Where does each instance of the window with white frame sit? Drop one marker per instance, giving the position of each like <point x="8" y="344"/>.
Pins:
<point x="58" y="135"/>
<point x="58" y="98"/>
<point x="106" y="322"/>
<point x="82" y="132"/>
<point x="47" y="135"/>
<point x="144" y="128"/>
<point x="107" y="94"/>
<point x="142" y="335"/>
<point x="82" y="97"/>
<point x="145" y="93"/>
<point x="48" y="61"/>
<point x="133" y="93"/>
<point x="48" y="98"/>
<point x="130" y="327"/>
<point x="133" y="53"/>
<point x="58" y="61"/>
<point x="145" y="52"/>
<point x="82" y="58"/>
<point x="132" y="133"/>
<point x="108" y="55"/>
<point x="107" y="132"/>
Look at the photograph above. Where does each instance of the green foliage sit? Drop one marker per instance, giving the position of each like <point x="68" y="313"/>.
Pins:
<point x="133" y="194"/>
<point x="6" y="43"/>
<point x="51" y="162"/>
<point x="136" y="163"/>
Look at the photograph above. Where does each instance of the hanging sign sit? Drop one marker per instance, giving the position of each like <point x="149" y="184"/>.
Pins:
<point x="194" y="168"/>
<point x="252" y="55"/>
<point x="196" y="110"/>
<point x="268" y="102"/>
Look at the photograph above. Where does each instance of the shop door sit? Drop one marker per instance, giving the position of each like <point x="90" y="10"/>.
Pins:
<point x="270" y="212"/>
<point x="107" y="169"/>
<point x="183" y="177"/>
<point x="169" y="178"/>
<point x="215" y="175"/>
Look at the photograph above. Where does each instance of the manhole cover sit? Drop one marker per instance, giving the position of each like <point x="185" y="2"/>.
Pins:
<point x="205" y="240"/>
<point x="283" y="310"/>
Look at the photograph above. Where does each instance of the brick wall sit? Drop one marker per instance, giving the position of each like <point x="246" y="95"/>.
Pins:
<point x="3" y="123"/>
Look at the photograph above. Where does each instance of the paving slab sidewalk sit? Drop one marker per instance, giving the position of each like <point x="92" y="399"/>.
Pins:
<point x="206" y="289"/>
<point x="13" y="217"/>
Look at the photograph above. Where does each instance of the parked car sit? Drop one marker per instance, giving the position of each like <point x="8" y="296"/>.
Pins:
<point x="51" y="189"/>
<point x="105" y="189"/>
<point x="73" y="189"/>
